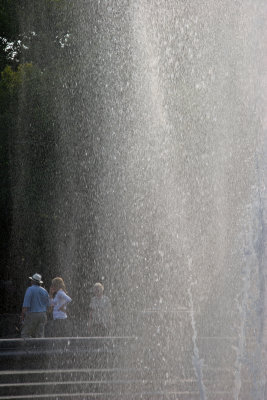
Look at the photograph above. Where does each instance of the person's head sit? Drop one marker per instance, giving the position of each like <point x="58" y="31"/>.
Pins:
<point x="58" y="283"/>
<point x="36" y="279"/>
<point x="98" y="289"/>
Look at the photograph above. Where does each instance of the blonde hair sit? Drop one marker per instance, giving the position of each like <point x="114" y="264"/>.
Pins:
<point x="58" y="283"/>
<point x="99" y="285"/>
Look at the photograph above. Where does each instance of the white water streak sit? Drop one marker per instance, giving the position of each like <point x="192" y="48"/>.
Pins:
<point x="242" y="332"/>
<point x="197" y="362"/>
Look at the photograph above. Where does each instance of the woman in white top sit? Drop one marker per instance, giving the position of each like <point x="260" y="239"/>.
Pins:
<point x="58" y="301"/>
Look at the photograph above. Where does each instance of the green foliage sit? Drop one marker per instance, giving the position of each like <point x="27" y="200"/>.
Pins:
<point x="10" y="83"/>
<point x="10" y="78"/>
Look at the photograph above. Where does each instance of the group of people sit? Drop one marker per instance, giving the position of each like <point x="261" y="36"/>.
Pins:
<point x="38" y="303"/>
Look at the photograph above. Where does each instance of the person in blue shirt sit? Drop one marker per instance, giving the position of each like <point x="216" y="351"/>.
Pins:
<point x="35" y="304"/>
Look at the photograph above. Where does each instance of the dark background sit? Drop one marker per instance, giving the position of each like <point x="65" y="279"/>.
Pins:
<point x="39" y="67"/>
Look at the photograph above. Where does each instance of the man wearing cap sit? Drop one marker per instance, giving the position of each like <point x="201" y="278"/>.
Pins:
<point x="35" y="304"/>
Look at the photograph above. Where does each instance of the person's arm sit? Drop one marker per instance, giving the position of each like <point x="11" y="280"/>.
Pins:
<point x="53" y="296"/>
<point x="23" y="313"/>
<point x="65" y="298"/>
<point x="110" y="315"/>
<point x="90" y="319"/>
<point x="26" y="303"/>
<point x="50" y="305"/>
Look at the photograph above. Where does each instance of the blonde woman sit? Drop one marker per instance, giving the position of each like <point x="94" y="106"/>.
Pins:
<point x="100" y="313"/>
<point x="58" y="301"/>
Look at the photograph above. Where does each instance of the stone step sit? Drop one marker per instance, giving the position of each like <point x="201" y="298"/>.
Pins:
<point x="63" y="343"/>
<point x="106" y="381"/>
<point x="55" y="352"/>
<point x="94" y="386"/>
<point x="224" y="395"/>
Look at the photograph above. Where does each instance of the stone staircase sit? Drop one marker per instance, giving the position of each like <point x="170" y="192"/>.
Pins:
<point x="162" y="364"/>
<point x="100" y="368"/>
